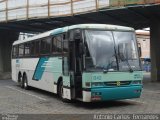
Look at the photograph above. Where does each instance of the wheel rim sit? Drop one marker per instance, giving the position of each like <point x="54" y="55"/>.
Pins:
<point x="21" y="81"/>
<point x="25" y="83"/>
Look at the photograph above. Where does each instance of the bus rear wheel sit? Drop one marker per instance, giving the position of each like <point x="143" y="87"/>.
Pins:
<point x="21" y="82"/>
<point x="25" y="82"/>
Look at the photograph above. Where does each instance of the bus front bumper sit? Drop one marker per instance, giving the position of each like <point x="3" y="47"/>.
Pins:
<point x="114" y="93"/>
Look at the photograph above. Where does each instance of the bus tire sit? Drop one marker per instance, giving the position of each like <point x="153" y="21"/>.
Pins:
<point x="20" y="80"/>
<point x="60" y="89"/>
<point x="60" y="93"/>
<point x="25" y="81"/>
<point x="22" y="83"/>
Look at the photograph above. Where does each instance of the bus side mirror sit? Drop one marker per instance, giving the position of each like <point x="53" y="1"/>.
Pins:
<point x="77" y="34"/>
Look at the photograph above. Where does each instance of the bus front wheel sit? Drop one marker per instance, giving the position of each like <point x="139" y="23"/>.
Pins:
<point x="60" y="90"/>
<point x="61" y="93"/>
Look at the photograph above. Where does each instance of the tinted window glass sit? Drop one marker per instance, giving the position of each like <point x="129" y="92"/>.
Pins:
<point x="32" y="48"/>
<point x="15" y="51"/>
<point x="45" y="46"/>
<point x="57" y="44"/>
<point x="54" y="45"/>
<point x="127" y="50"/>
<point x="37" y="44"/>
<point x="65" y="46"/>
<point x="21" y="50"/>
<point x="27" y="49"/>
<point x="101" y="47"/>
<point x="71" y="35"/>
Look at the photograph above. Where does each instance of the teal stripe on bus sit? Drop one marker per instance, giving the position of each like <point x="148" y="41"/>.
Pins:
<point x="40" y="68"/>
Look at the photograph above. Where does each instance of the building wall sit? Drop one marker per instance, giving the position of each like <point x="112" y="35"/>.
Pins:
<point x="143" y="38"/>
<point x="144" y="41"/>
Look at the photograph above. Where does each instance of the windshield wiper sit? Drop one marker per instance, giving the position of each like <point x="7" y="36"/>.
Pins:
<point x="121" y="56"/>
<point x="129" y="66"/>
<point x="110" y="64"/>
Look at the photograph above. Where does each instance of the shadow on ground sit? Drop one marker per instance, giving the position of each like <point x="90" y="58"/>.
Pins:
<point x="79" y="104"/>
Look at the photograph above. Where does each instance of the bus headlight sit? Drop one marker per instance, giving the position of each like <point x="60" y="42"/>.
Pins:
<point x="97" y="84"/>
<point x="137" y="82"/>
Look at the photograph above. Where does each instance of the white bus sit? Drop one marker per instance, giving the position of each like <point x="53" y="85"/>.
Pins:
<point x="87" y="62"/>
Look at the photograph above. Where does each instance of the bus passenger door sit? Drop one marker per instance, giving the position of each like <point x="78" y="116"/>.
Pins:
<point x="65" y="68"/>
<point x="75" y="65"/>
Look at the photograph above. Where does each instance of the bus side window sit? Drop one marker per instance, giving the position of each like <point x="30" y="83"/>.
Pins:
<point x="15" y="51"/>
<point x="65" y="44"/>
<point x="21" y="50"/>
<point x="57" y="45"/>
<point x="27" y="49"/>
<point x="32" y="48"/>
<point x="45" y="46"/>
<point x="37" y="47"/>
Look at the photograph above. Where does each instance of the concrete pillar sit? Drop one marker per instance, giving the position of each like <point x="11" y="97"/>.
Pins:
<point x="1" y="65"/>
<point x="6" y="39"/>
<point x="155" y="50"/>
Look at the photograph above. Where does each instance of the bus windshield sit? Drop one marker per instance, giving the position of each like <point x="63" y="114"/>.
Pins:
<point x="104" y="49"/>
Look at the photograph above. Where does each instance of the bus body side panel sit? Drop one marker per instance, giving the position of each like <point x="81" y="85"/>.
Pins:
<point x="46" y="73"/>
<point x="66" y="87"/>
<point x="41" y="72"/>
<point x="86" y="79"/>
<point x="14" y="70"/>
<point x="24" y="65"/>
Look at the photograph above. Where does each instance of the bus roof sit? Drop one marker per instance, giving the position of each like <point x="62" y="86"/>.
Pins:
<point x="81" y="26"/>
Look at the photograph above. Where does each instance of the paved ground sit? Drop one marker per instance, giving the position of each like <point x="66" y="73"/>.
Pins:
<point x="15" y="100"/>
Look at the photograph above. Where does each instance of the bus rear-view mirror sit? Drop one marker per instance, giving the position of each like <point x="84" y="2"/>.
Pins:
<point x="139" y="50"/>
<point x="77" y="35"/>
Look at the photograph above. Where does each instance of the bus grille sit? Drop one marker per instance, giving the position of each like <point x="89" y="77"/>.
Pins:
<point x="117" y="83"/>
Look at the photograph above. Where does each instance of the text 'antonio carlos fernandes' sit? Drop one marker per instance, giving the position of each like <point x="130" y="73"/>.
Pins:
<point x="126" y="117"/>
